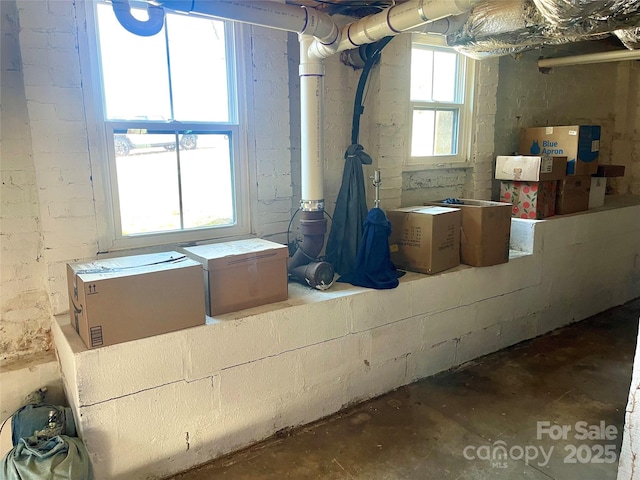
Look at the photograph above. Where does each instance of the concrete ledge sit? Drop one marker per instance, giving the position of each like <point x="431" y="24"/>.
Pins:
<point x="161" y="405"/>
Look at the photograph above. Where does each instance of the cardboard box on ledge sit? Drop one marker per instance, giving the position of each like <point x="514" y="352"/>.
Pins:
<point x="527" y="168"/>
<point x="529" y="184"/>
<point x="532" y="200"/>
<point x="579" y="143"/>
<point x="573" y="195"/>
<point x="425" y="239"/>
<point x="242" y="274"/>
<point x="485" y="233"/>
<point x="122" y="299"/>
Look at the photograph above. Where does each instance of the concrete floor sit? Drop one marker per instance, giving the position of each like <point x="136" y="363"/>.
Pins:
<point x="433" y="429"/>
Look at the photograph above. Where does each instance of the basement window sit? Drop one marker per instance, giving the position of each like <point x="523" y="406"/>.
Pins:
<point x="170" y="117"/>
<point x="440" y="94"/>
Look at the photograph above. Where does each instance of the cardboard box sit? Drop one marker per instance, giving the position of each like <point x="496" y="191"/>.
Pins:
<point x="597" y="191"/>
<point x="242" y="274"/>
<point x="579" y="143"/>
<point x="485" y="232"/>
<point x="610" y="171"/>
<point x="425" y="239"/>
<point x="533" y="200"/>
<point x="530" y="168"/>
<point x="121" y="299"/>
<point x="573" y="195"/>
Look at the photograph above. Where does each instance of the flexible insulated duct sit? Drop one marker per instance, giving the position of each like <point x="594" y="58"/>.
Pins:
<point x="509" y="26"/>
<point x="630" y="37"/>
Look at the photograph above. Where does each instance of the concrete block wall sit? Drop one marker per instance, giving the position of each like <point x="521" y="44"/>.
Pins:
<point x="604" y="94"/>
<point x="160" y="405"/>
<point x="25" y="310"/>
<point x="269" y="133"/>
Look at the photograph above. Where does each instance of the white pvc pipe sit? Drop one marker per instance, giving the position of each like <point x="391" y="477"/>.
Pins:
<point x="390" y="22"/>
<point x="269" y="14"/>
<point x="312" y="127"/>
<point x="601" y="57"/>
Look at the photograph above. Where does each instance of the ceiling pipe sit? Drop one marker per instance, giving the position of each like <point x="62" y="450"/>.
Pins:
<point x="601" y="57"/>
<point x="390" y="22"/>
<point x="270" y="14"/>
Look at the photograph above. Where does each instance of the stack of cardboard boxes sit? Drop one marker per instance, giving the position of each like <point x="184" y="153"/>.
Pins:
<point x="122" y="299"/>
<point x="535" y="181"/>
<point x="439" y="236"/>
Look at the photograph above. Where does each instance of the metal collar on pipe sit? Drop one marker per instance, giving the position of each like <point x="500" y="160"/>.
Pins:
<point x="602" y="57"/>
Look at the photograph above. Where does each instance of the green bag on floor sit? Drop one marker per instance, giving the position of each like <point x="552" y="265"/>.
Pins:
<point x="58" y="458"/>
<point x="33" y="417"/>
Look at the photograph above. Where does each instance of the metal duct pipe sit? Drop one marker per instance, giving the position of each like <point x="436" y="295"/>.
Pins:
<point x="602" y="57"/>
<point x="390" y="22"/>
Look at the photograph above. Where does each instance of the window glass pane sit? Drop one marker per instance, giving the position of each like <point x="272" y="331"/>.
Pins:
<point x="423" y="133"/>
<point x="207" y="188"/>
<point x="421" y="74"/>
<point x="445" y="139"/>
<point x="147" y="169"/>
<point x="134" y="70"/>
<point x="197" y="56"/>
<point x="444" y="82"/>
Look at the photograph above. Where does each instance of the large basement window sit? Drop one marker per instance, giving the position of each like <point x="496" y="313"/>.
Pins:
<point x="441" y="88"/>
<point x="171" y="123"/>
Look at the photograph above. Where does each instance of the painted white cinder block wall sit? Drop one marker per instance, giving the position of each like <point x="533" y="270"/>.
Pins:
<point x="163" y="404"/>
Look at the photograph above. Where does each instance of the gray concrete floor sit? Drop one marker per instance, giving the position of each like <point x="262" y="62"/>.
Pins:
<point x="580" y="373"/>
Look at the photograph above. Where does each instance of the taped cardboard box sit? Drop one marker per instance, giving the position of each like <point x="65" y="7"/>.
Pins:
<point x="573" y="195"/>
<point x="579" y="143"/>
<point x="532" y="200"/>
<point x="242" y="274"/>
<point x="485" y="232"/>
<point x="597" y="192"/>
<point x="425" y="239"/>
<point x="530" y="168"/>
<point x="122" y="299"/>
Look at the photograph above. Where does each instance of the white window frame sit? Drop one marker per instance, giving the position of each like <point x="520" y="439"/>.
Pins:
<point x="102" y="152"/>
<point x="464" y="105"/>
